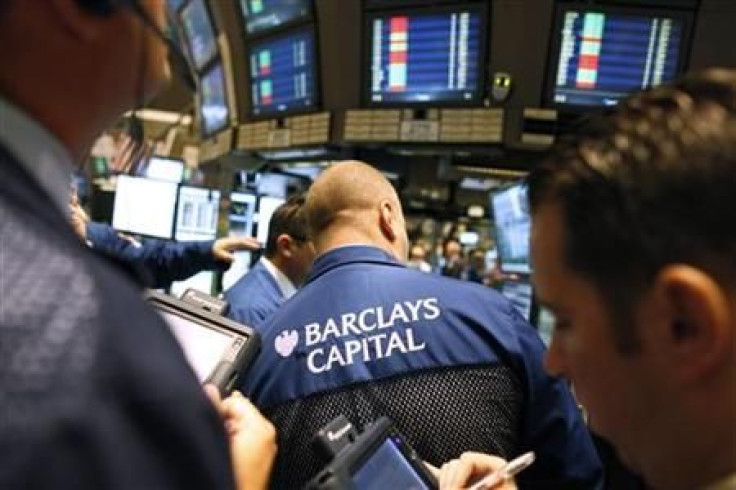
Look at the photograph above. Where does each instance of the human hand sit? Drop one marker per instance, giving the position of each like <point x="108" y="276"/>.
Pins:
<point x="252" y="439"/>
<point x="223" y="248"/>
<point x="470" y="467"/>
<point x="78" y="217"/>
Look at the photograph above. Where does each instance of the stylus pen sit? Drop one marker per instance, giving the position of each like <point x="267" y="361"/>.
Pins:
<point x="509" y="470"/>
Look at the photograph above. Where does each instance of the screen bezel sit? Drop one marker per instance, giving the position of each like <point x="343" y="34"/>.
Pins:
<point x="555" y="39"/>
<point x="286" y="26"/>
<point x="207" y="133"/>
<point x="275" y="35"/>
<point x="483" y="62"/>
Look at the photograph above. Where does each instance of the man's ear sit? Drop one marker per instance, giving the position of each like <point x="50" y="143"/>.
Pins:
<point x="284" y="245"/>
<point x="77" y="21"/>
<point x="387" y="219"/>
<point x="700" y="325"/>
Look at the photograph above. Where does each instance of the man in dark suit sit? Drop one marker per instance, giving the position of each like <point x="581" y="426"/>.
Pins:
<point x="288" y="256"/>
<point x="94" y="391"/>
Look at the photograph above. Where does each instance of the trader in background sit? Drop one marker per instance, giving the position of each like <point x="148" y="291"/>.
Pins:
<point x="450" y="362"/>
<point x="634" y="250"/>
<point x="158" y="262"/>
<point x="287" y="258"/>
<point x="94" y="390"/>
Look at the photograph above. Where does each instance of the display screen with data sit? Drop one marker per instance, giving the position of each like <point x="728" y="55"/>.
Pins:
<point x="261" y="15"/>
<point x="602" y="55"/>
<point x="266" y="207"/>
<point x="144" y="206"/>
<point x="199" y="32"/>
<point x="241" y="218"/>
<point x="196" y="214"/>
<point x="430" y="57"/>
<point x="521" y="295"/>
<point x="214" y="113"/>
<point x="513" y="226"/>
<point x="164" y="168"/>
<point x="282" y="73"/>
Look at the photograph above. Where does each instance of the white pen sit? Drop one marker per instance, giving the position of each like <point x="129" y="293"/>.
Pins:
<point x="509" y="470"/>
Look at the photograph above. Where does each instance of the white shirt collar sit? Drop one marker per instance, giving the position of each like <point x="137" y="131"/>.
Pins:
<point x="285" y="285"/>
<point x="40" y="153"/>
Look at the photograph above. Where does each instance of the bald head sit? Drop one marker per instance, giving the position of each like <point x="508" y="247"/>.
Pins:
<point x="353" y="203"/>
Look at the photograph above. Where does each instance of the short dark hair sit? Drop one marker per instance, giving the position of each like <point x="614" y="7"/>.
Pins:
<point x="651" y="184"/>
<point x="289" y="219"/>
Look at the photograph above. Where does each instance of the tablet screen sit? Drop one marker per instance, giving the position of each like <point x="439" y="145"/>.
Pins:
<point x="203" y="346"/>
<point x="387" y="467"/>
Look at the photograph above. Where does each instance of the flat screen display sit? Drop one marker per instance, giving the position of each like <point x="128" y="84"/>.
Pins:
<point x="266" y="206"/>
<point x="426" y="57"/>
<point x="214" y="113"/>
<point x="242" y="214"/>
<point x="196" y="214"/>
<point x="163" y="168"/>
<point x="144" y="206"/>
<point x="199" y="33"/>
<point x="387" y="467"/>
<point x="282" y="73"/>
<point x="601" y="55"/>
<point x="261" y="15"/>
<point x="513" y="226"/>
<point x="204" y="347"/>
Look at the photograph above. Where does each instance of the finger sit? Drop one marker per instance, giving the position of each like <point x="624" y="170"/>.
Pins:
<point x="225" y="256"/>
<point x="432" y="469"/>
<point x="447" y="473"/>
<point x="214" y="395"/>
<point x="471" y="466"/>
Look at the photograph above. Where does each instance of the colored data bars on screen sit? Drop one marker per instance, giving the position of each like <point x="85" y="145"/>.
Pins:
<point x="398" y="44"/>
<point x="590" y="50"/>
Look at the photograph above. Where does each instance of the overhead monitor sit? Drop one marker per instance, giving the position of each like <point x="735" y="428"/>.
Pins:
<point x="144" y="206"/>
<point x="266" y="207"/>
<point x="241" y="218"/>
<point x="164" y="168"/>
<point x="425" y="56"/>
<point x="261" y="15"/>
<point x="213" y="110"/>
<point x="199" y="33"/>
<point x="283" y="74"/>
<point x="196" y="214"/>
<point x="513" y="226"/>
<point x="600" y="54"/>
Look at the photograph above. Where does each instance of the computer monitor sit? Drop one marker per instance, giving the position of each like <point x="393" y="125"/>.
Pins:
<point x="432" y="56"/>
<point x="599" y="54"/>
<point x="521" y="296"/>
<point x="513" y="225"/>
<point x="213" y="110"/>
<point x="199" y="33"/>
<point x="241" y="218"/>
<point x="164" y="168"/>
<point x="266" y="207"/>
<point x="283" y="74"/>
<point x="261" y="15"/>
<point x="144" y="206"/>
<point x="196" y="214"/>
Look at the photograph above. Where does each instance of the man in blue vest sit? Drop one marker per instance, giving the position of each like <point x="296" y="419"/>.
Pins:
<point x="451" y="362"/>
<point x="288" y="256"/>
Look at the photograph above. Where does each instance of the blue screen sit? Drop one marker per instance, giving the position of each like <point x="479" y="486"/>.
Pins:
<point x="419" y="58"/>
<point x="213" y="110"/>
<point x="387" y="468"/>
<point x="604" y="56"/>
<point x="199" y="33"/>
<point x="282" y="73"/>
<point x="261" y="15"/>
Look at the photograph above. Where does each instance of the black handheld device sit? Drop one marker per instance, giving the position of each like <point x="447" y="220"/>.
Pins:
<point x="218" y="349"/>
<point x="379" y="458"/>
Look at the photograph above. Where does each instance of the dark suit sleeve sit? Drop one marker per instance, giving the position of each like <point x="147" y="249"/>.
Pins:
<point x="163" y="261"/>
